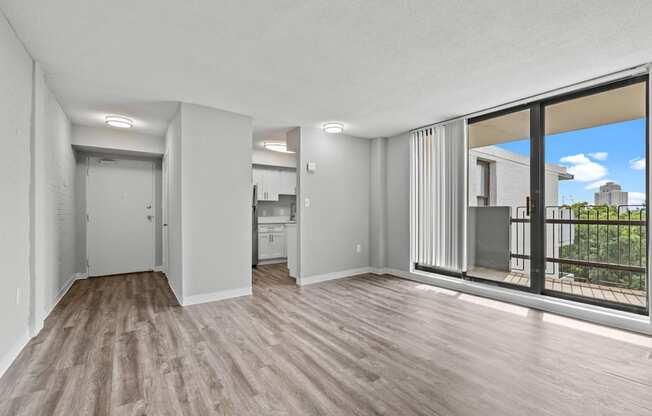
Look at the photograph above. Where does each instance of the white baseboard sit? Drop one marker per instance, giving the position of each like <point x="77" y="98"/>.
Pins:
<point x="12" y="354"/>
<point x="332" y="276"/>
<point x="62" y="292"/>
<point x="215" y="296"/>
<point x="174" y="292"/>
<point x="159" y="268"/>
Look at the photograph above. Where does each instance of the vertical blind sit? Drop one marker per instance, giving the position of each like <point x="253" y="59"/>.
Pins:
<point x="438" y="168"/>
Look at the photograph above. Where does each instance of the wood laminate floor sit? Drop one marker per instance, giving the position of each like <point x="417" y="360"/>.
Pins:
<point x="369" y="345"/>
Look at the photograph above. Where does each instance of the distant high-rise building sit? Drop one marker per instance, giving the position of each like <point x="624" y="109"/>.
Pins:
<point x="611" y="194"/>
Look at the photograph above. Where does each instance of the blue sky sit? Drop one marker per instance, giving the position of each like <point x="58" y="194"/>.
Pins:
<point x="612" y="152"/>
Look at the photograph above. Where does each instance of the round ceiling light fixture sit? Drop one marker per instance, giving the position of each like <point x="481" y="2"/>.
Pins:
<point x="119" y="122"/>
<point x="332" y="127"/>
<point x="277" y="147"/>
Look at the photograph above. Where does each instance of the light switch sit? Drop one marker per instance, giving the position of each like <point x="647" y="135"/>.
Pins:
<point x="312" y="167"/>
<point x="307" y="202"/>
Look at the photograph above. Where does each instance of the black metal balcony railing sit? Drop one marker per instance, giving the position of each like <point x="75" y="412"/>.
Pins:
<point x="596" y="244"/>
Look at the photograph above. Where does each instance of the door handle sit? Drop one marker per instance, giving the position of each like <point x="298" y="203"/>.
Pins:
<point x="529" y="205"/>
<point x="149" y="217"/>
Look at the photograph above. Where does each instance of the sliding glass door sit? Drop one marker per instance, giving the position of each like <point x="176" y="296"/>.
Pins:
<point x="498" y="229"/>
<point x="596" y="215"/>
<point x="557" y="196"/>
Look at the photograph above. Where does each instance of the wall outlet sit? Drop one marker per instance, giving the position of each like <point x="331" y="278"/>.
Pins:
<point x="358" y="248"/>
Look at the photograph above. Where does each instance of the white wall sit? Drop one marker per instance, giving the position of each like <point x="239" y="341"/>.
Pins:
<point x="216" y="202"/>
<point x="54" y="201"/>
<point x="378" y="203"/>
<point x="15" y="135"/>
<point x="81" y="170"/>
<point x="209" y="223"/>
<point x="269" y="158"/>
<point x="339" y="191"/>
<point x="398" y="202"/>
<point x="174" y="270"/>
<point x="116" y="141"/>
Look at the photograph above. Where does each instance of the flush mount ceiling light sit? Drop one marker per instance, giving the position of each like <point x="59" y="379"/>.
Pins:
<point x="332" y="127"/>
<point x="119" y="122"/>
<point x="277" y="147"/>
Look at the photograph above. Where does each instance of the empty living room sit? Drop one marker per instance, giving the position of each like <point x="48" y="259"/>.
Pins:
<point x="325" y="208"/>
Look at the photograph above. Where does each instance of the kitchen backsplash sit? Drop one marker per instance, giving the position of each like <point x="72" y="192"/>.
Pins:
<point x="278" y="208"/>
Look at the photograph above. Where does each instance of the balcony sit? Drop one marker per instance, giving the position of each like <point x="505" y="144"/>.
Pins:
<point x="593" y="252"/>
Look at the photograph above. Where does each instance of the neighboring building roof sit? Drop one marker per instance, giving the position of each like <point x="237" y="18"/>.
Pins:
<point x="495" y="152"/>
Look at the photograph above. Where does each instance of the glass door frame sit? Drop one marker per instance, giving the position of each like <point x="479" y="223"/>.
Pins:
<point x="538" y="255"/>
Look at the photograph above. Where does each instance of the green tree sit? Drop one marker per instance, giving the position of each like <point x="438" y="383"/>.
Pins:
<point x="615" y="244"/>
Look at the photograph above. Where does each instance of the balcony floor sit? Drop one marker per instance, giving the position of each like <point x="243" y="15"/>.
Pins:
<point x="589" y="290"/>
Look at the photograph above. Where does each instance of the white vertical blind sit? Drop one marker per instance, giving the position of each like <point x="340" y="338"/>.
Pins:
<point x="438" y="196"/>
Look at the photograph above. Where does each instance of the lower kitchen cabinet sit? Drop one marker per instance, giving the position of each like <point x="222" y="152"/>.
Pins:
<point x="271" y="242"/>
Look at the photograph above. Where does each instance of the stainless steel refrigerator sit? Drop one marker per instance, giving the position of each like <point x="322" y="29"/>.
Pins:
<point x="254" y="227"/>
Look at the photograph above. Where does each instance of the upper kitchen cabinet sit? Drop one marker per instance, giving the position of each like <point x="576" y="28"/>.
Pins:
<point x="288" y="182"/>
<point x="270" y="179"/>
<point x="273" y="182"/>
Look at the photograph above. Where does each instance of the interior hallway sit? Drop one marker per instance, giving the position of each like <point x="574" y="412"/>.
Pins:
<point x="365" y="345"/>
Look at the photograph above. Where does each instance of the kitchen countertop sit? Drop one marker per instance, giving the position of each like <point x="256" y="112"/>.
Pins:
<point x="275" y="220"/>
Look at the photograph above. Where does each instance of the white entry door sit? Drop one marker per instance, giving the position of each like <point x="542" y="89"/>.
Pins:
<point x="120" y="207"/>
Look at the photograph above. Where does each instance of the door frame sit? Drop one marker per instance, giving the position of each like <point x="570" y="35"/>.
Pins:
<point x="537" y="191"/>
<point x="87" y="213"/>
<point x="165" y="213"/>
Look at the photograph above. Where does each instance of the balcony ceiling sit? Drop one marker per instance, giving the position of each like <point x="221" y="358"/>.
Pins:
<point x="621" y="104"/>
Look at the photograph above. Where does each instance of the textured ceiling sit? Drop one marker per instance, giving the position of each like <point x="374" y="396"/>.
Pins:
<point x="380" y="67"/>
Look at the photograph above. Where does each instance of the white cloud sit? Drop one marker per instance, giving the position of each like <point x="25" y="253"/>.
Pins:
<point x="584" y="169"/>
<point x="577" y="159"/>
<point x="599" y="155"/>
<point x="597" y="184"/>
<point x="637" y="164"/>
<point x="636" y="198"/>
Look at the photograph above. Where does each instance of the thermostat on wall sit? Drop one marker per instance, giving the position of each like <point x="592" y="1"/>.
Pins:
<point x="312" y="166"/>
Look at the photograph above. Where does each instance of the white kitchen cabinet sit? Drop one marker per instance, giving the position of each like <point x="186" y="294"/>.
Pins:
<point x="278" y="244"/>
<point x="273" y="182"/>
<point x="291" y="249"/>
<point x="267" y="181"/>
<point x="271" y="242"/>
<point x="264" y="246"/>
<point x="257" y="179"/>
<point x="288" y="182"/>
